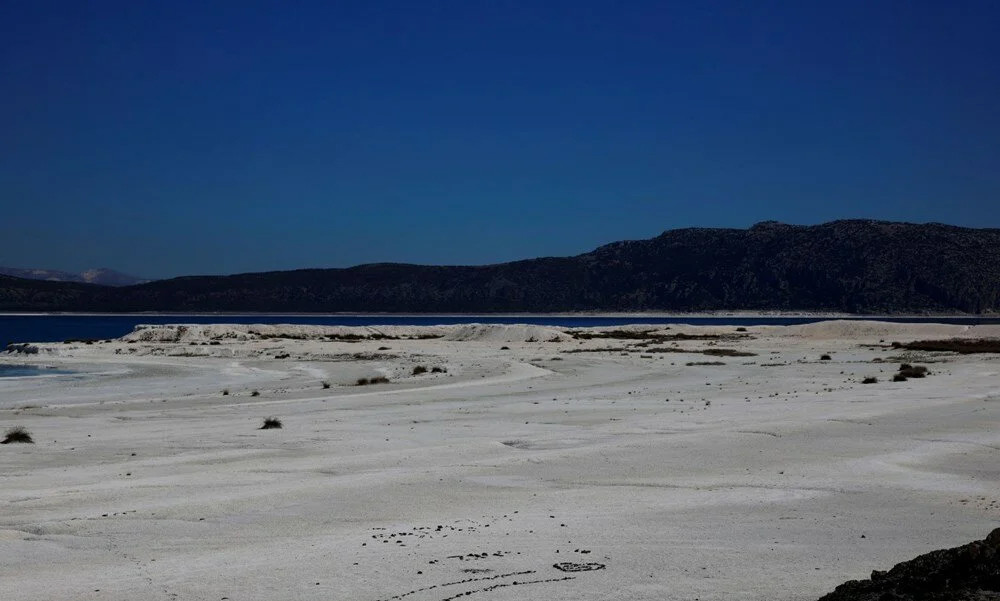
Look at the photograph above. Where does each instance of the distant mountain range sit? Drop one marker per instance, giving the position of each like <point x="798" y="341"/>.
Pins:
<point x="854" y="266"/>
<point x="102" y="276"/>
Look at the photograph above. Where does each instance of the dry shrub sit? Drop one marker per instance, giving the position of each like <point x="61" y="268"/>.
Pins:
<point x="17" y="434"/>
<point x="271" y="423"/>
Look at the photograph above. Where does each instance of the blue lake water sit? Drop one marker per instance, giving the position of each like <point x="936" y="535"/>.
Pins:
<point x="20" y="371"/>
<point x="56" y="328"/>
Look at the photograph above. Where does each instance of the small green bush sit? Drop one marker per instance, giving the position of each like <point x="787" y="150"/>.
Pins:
<point x="419" y="369"/>
<point x="870" y="380"/>
<point x="255" y="393"/>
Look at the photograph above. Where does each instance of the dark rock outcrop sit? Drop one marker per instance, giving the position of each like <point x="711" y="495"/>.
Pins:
<point x="22" y="348"/>
<point x="967" y="573"/>
<point x="848" y="266"/>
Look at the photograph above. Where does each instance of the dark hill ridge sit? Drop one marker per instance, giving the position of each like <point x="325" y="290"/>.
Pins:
<point x="852" y="266"/>
<point x="21" y="294"/>
<point x="101" y="275"/>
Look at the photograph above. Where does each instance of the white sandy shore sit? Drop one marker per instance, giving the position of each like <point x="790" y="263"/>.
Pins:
<point x="472" y="317"/>
<point x="775" y="476"/>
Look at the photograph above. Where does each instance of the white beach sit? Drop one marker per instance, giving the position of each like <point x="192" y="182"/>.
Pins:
<point x="775" y="476"/>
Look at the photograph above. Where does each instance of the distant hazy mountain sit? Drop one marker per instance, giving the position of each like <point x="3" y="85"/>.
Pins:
<point x="851" y="266"/>
<point x="102" y="276"/>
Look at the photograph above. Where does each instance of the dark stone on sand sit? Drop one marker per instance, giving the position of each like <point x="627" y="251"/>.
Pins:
<point x="578" y="567"/>
<point x="967" y="573"/>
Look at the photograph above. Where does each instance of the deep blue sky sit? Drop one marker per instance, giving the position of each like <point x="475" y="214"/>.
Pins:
<point x="167" y="138"/>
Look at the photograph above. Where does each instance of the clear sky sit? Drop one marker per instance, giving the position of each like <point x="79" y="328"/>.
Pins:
<point x="168" y="138"/>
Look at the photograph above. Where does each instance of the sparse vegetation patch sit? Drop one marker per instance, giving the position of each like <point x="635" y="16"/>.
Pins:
<point x="727" y="352"/>
<point x="271" y="423"/>
<point x="339" y="337"/>
<point x="962" y="346"/>
<point x="650" y="335"/>
<point x="912" y="371"/>
<point x="609" y="349"/>
<point x="713" y="352"/>
<point x="17" y="434"/>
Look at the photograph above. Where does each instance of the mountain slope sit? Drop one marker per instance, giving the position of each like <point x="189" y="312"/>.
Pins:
<point x="102" y="276"/>
<point x="20" y="294"/>
<point x="852" y="266"/>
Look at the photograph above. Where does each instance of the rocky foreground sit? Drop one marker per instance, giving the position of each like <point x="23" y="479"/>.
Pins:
<point x="967" y="573"/>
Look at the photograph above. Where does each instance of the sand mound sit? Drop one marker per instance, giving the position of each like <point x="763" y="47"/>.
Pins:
<point x="184" y="333"/>
<point x="970" y="572"/>
<point x="243" y="332"/>
<point x="505" y="333"/>
<point x="860" y="329"/>
<point x="156" y="333"/>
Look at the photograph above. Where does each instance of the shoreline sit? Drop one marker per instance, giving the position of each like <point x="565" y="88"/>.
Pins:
<point x="580" y="315"/>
